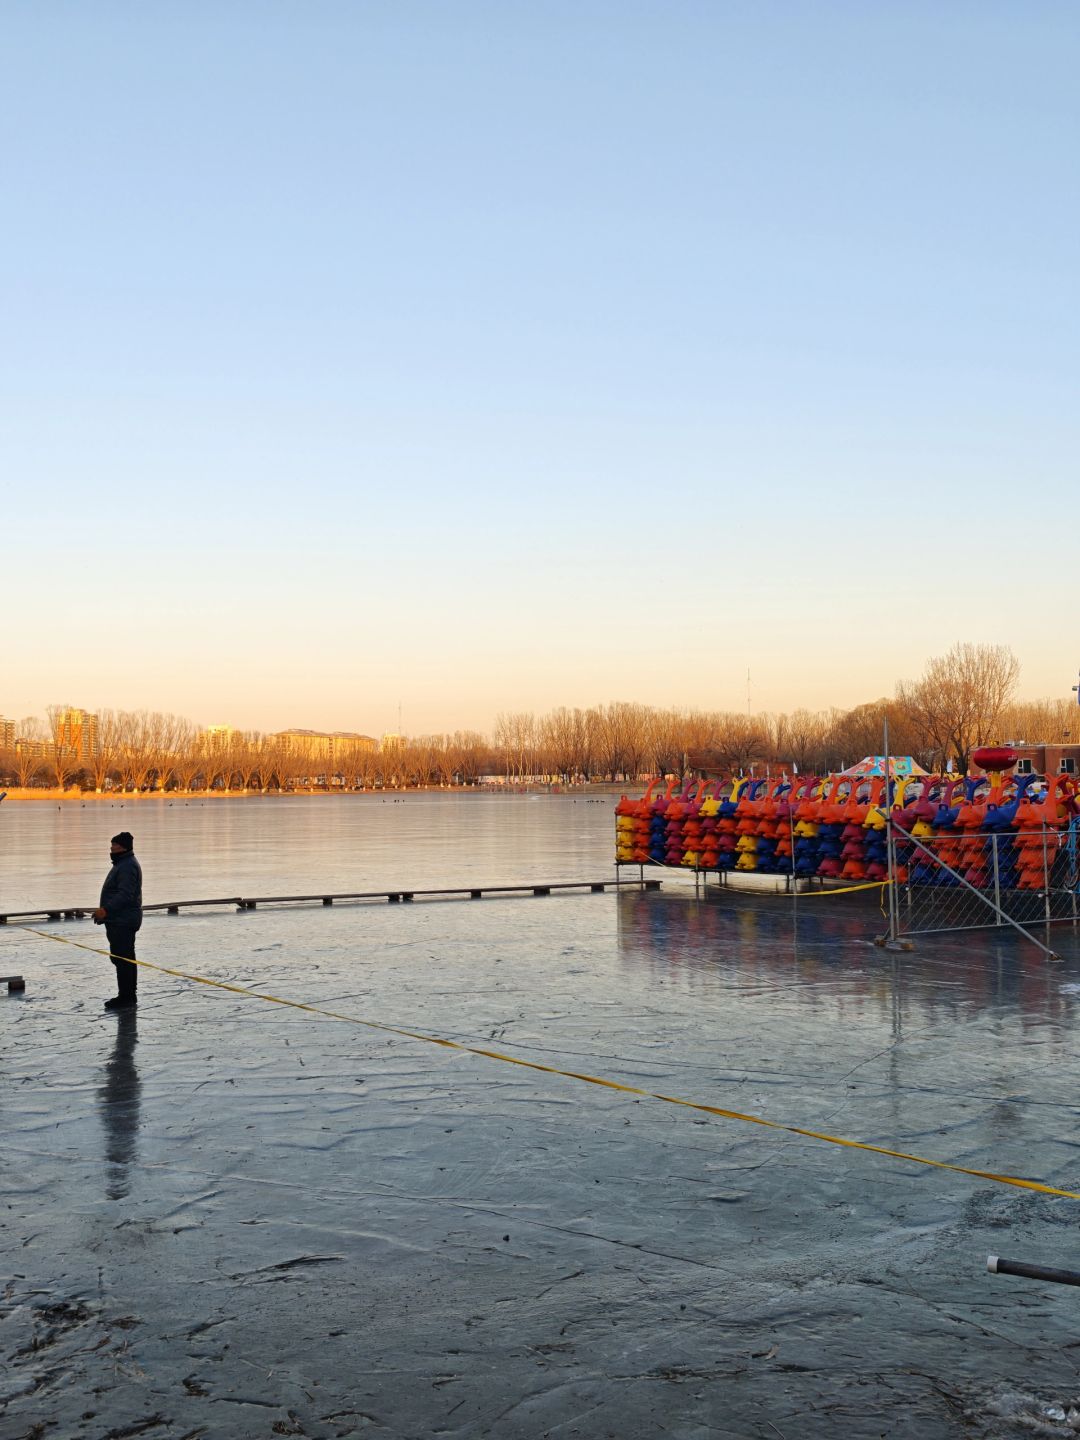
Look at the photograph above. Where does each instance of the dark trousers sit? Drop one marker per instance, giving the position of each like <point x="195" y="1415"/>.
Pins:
<point x="122" y="942"/>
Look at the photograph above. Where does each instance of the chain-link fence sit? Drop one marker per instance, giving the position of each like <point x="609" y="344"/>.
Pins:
<point x="966" y="881"/>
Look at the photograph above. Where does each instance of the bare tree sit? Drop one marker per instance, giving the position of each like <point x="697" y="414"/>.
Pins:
<point x="30" y="750"/>
<point x="624" y="735"/>
<point x="187" y="761"/>
<point x="164" y="736"/>
<point x="230" y="758"/>
<point x="366" y="763"/>
<point x="581" y="738"/>
<point x="277" y="764"/>
<point x="135" y="748"/>
<point x="422" y="759"/>
<point x="560" y="742"/>
<point x="64" y="745"/>
<point x="469" y="750"/>
<point x="394" y="762"/>
<point x="102" y="764"/>
<point x="799" y="739"/>
<point x="248" y="757"/>
<point x="853" y="734"/>
<point x="516" y="736"/>
<point x="274" y="763"/>
<point x="667" y="741"/>
<point x="960" y="698"/>
<point x="347" y="762"/>
<point x="611" y="756"/>
<point x="701" y="737"/>
<point x="444" y="759"/>
<point x="214" y="762"/>
<point x="636" y="737"/>
<point x="743" y="741"/>
<point x="1053" y="722"/>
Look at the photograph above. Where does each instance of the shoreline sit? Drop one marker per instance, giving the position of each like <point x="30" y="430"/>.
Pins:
<point x="83" y="797"/>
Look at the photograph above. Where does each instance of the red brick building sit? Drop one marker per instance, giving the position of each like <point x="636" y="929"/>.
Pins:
<point x="1048" y="760"/>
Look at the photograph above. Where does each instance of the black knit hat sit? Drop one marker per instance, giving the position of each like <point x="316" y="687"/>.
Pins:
<point x="124" y="839"/>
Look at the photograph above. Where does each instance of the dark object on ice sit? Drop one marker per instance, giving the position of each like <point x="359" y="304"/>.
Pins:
<point x="997" y="1266"/>
<point x="13" y="982"/>
<point x="120" y="1002"/>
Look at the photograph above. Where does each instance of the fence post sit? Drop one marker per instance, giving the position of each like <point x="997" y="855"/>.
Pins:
<point x="791" y="842"/>
<point x="997" y="875"/>
<point x="893" y="940"/>
<point x="1046" y="879"/>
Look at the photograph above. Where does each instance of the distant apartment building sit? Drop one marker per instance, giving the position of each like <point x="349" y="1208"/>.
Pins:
<point x="390" y="743"/>
<point x="344" y="738"/>
<point x="218" y="738"/>
<point x="41" y="750"/>
<point x="76" y="733"/>
<point x="7" y="734"/>
<point x="311" y="744"/>
<point x="321" y="744"/>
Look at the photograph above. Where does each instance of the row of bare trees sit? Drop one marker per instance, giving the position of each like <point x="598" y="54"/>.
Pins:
<point x="963" y="699"/>
<point x="146" y="750"/>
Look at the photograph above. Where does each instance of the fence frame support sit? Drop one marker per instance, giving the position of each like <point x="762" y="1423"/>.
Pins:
<point x="1003" y="916"/>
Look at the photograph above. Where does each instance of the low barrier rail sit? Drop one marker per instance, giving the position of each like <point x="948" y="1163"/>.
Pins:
<point x="324" y="897"/>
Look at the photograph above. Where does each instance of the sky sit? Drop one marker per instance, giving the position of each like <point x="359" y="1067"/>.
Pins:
<point x="436" y="360"/>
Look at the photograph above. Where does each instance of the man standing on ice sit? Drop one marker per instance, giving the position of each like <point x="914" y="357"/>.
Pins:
<point x="120" y="911"/>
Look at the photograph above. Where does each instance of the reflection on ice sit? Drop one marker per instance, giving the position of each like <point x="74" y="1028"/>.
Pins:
<point x="118" y="1105"/>
<point x="760" y="944"/>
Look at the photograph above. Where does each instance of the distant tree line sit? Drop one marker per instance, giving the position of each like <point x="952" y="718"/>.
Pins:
<point x="963" y="699"/>
<point x="144" y="750"/>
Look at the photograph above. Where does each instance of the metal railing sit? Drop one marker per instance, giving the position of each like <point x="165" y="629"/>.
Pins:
<point x="1024" y="879"/>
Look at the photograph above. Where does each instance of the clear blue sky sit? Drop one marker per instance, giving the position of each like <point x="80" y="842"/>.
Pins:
<point x="497" y="356"/>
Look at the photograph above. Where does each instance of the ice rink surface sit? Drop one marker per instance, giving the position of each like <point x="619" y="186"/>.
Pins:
<point x="220" y="1217"/>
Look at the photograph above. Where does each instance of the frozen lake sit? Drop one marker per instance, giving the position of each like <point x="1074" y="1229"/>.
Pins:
<point x="223" y="1218"/>
<point x="265" y="845"/>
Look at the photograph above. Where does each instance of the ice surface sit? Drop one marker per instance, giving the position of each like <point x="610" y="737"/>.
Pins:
<point x="223" y="1218"/>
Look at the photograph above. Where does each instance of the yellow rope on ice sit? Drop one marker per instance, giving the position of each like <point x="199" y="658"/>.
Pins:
<point x="586" y="1079"/>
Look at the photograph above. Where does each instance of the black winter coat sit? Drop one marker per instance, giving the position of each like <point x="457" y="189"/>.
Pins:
<point x="121" y="895"/>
